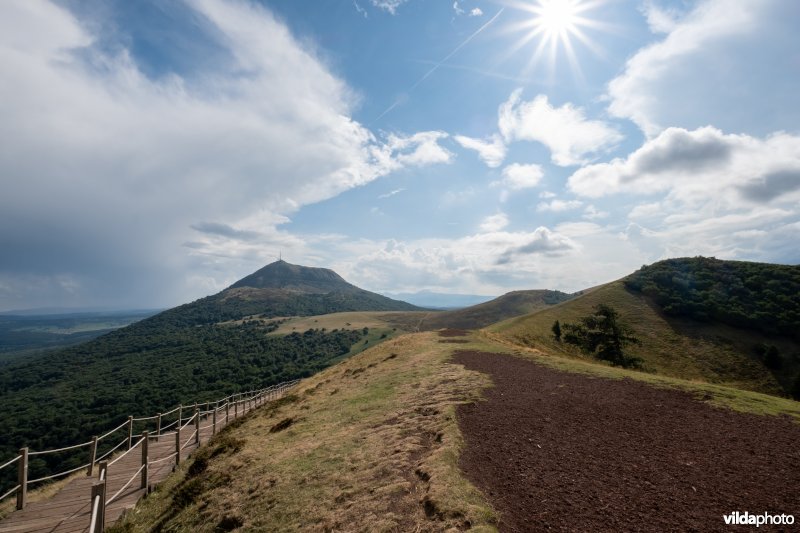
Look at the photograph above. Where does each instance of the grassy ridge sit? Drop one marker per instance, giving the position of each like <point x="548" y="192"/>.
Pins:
<point x="369" y="445"/>
<point x="508" y="305"/>
<point x="684" y="348"/>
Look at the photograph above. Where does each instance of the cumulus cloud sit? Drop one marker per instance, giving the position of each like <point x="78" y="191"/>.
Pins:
<point x="491" y="152"/>
<point x="109" y="170"/>
<point x="494" y="222"/>
<point x="567" y="133"/>
<point x="706" y="192"/>
<point x="558" y="206"/>
<point x="541" y="241"/>
<point x="708" y="59"/>
<point x="699" y="164"/>
<point x="517" y="176"/>
<point x="419" y="149"/>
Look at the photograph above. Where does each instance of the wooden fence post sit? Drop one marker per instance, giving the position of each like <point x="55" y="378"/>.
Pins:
<point x="130" y="432"/>
<point x="235" y="409"/>
<point x="99" y="493"/>
<point x="92" y="456"/>
<point x="145" y="451"/>
<point x="197" y="426"/>
<point x="180" y="416"/>
<point x="178" y="447"/>
<point x="102" y="468"/>
<point x="214" y="422"/>
<point x="158" y="426"/>
<point x="22" y="479"/>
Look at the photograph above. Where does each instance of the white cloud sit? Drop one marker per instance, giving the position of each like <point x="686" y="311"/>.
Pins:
<point x="706" y="193"/>
<point x="517" y="176"/>
<point x="592" y="213"/>
<point x="388" y="5"/>
<point x="491" y="152"/>
<point x="660" y="19"/>
<point x="730" y="67"/>
<point x="558" y="206"/>
<point x="147" y="159"/>
<point x="360" y="9"/>
<point x="494" y="223"/>
<point x="476" y="12"/>
<point x="419" y="149"/>
<point x="390" y="193"/>
<point x="694" y="166"/>
<point x="457" y="8"/>
<point x="567" y="133"/>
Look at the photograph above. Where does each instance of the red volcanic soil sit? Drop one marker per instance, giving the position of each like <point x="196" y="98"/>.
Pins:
<point x="556" y="451"/>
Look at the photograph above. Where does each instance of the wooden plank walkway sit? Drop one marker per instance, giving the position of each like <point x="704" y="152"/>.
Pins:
<point x="69" y="510"/>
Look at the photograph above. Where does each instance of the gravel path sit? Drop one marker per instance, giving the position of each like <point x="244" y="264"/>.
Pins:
<point x="568" y="452"/>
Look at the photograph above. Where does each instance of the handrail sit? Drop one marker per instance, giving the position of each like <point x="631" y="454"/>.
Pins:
<point x="112" y="450"/>
<point x="189" y="440"/>
<point x="156" y="461"/>
<point x="143" y="418"/>
<point x="53" y="476"/>
<point x="95" y="513"/>
<point x="10" y="492"/>
<point x="65" y="448"/>
<point x="129" y="450"/>
<point x="125" y="486"/>
<point x="113" y="430"/>
<point x="236" y="399"/>
<point x="11" y="462"/>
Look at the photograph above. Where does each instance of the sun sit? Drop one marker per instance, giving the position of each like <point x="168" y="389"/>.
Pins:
<point x="557" y="18"/>
<point x="556" y="25"/>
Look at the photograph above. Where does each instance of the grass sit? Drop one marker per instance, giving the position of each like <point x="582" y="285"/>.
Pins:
<point x="371" y="444"/>
<point x="678" y="348"/>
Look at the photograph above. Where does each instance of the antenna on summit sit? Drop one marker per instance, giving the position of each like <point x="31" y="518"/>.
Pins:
<point x="280" y="255"/>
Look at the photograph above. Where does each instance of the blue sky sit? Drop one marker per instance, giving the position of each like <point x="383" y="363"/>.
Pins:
<point x="153" y="152"/>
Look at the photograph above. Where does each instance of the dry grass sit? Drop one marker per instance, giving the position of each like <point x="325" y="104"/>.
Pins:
<point x="371" y="444"/>
<point x="684" y="349"/>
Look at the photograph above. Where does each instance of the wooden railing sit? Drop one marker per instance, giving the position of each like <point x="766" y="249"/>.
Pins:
<point x="216" y="413"/>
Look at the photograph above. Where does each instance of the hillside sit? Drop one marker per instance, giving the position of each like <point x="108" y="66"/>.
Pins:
<point x="183" y="354"/>
<point x="506" y="306"/>
<point x="377" y="443"/>
<point x="723" y="342"/>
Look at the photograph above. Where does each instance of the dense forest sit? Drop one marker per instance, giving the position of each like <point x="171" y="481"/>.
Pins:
<point x="67" y="396"/>
<point x="199" y="351"/>
<point x="758" y="296"/>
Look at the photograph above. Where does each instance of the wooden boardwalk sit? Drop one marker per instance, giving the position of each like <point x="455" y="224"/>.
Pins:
<point x="70" y="509"/>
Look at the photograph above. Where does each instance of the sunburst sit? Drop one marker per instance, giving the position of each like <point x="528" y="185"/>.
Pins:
<point x="556" y="24"/>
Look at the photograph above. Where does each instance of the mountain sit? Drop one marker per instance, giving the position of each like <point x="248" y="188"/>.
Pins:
<point x="726" y="322"/>
<point x="208" y="348"/>
<point x="439" y="300"/>
<point x="509" y="305"/>
<point x="281" y="289"/>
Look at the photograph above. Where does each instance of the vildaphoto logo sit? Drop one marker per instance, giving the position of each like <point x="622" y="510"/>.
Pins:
<point x="746" y="519"/>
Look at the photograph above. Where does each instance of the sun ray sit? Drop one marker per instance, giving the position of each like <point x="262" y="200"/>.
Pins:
<point x="557" y="26"/>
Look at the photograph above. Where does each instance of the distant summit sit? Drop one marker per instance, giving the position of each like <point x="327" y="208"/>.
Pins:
<point x="297" y="278"/>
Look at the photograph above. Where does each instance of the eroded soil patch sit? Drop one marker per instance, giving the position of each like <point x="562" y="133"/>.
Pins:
<point x="568" y="452"/>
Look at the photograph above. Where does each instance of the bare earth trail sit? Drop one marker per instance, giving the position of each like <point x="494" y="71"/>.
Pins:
<point x="569" y="452"/>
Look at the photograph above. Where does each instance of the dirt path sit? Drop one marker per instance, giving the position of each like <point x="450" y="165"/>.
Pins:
<point x="568" y="452"/>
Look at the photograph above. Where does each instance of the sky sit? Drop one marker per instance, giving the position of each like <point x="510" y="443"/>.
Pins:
<point x="154" y="152"/>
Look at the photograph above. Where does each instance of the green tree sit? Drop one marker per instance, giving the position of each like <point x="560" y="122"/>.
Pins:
<point x="556" y="330"/>
<point x="603" y="335"/>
